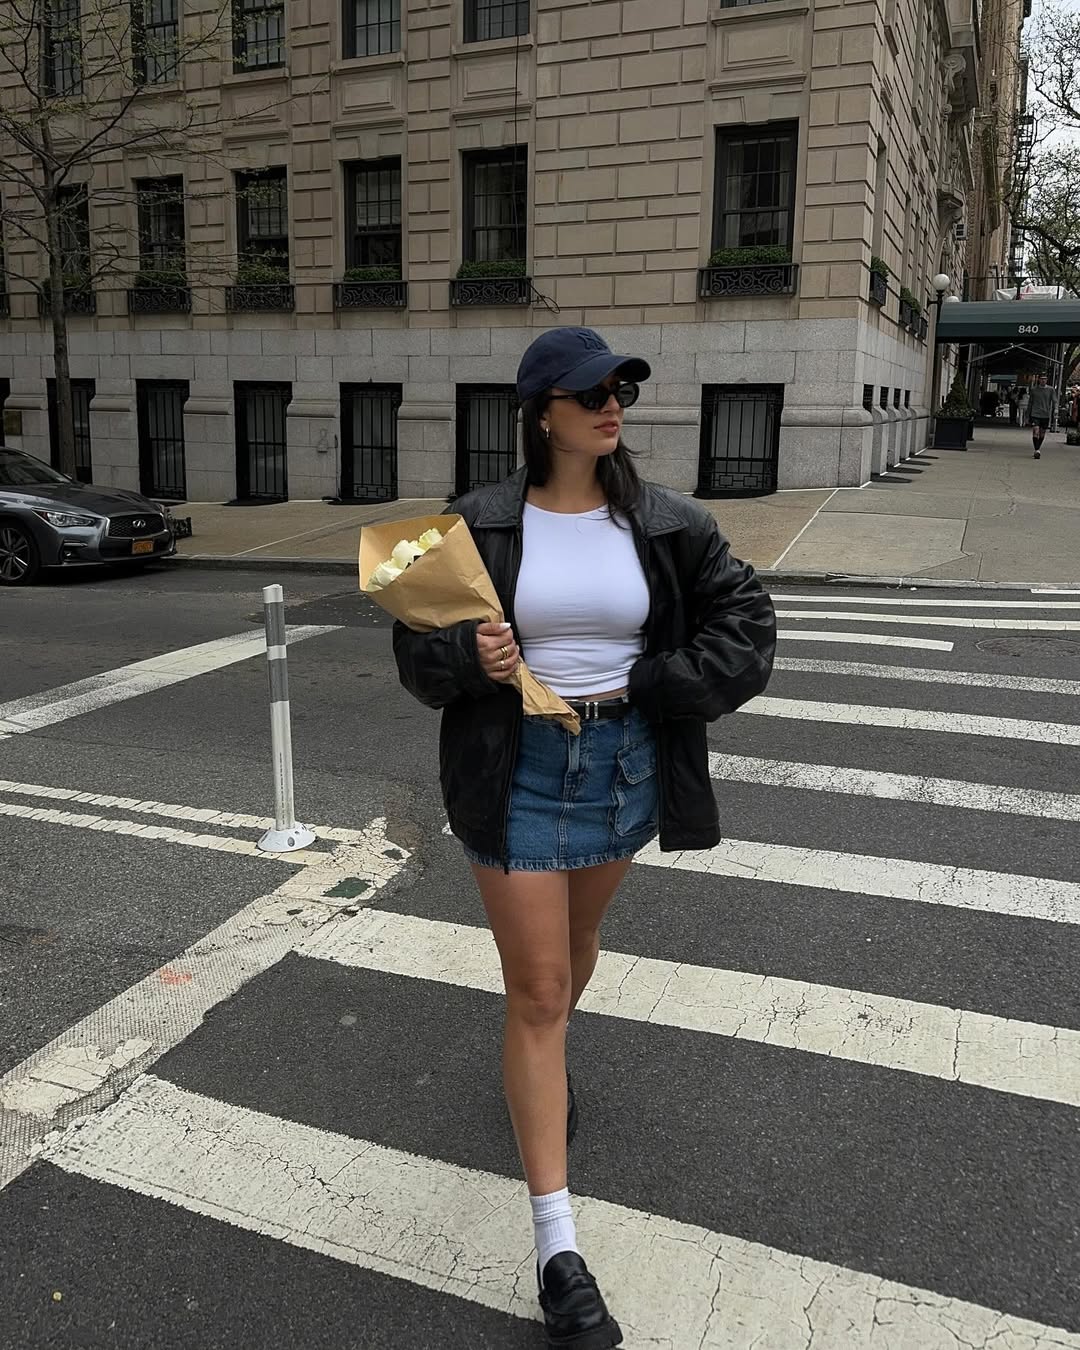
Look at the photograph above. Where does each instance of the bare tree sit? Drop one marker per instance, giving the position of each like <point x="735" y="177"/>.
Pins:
<point x="78" y="93"/>
<point x="1055" y="64"/>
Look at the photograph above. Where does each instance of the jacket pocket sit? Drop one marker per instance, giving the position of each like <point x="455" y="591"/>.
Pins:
<point x="635" y="789"/>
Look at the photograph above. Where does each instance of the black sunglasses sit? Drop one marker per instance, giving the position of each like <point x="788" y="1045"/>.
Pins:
<point x="592" y="400"/>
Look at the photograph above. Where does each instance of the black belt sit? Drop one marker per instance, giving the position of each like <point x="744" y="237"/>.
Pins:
<point x="597" y="710"/>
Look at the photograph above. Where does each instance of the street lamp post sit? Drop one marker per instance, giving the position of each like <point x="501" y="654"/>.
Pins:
<point x="941" y="284"/>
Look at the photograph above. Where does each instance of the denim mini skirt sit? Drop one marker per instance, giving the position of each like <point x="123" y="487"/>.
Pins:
<point x="579" y="801"/>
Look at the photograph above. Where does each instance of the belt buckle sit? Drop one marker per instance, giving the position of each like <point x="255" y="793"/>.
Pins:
<point x="594" y="715"/>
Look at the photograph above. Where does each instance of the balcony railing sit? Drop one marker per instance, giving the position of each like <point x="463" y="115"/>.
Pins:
<point x="879" y="288"/>
<point x="371" y="294"/>
<point x="491" y="291"/>
<point x="77" y="300"/>
<point x="147" y="299"/>
<point x="758" y="279"/>
<point x="260" y="297"/>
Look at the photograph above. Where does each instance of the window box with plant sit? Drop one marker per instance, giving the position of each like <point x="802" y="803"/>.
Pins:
<point x="762" y="269"/>
<point x="879" y="280"/>
<point x="261" y="286"/>
<point x="491" y="283"/>
<point x="160" y="290"/>
<point x="79" y="297"/>
<point x="376" y="287"/>
<point x="953" y="419"/>
<point x="910" y="310"/>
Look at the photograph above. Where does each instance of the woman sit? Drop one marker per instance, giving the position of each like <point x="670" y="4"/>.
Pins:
<point x="622" y="596"/>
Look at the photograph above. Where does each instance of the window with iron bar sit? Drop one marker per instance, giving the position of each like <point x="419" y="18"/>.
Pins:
<point x="155" y="41"/>
<point x="496" y="204"/>
<point x="62" y="47"/>
<point x="755" y="187"/>
<point x="161" y="224"/>
<point x="373" y="213"/>
<point x="73" y="220"/>
<point x="487" y="19"/>
<point x="263" y="217"/>
<point x="258" y="34"/>
<point x="372" y="27"/>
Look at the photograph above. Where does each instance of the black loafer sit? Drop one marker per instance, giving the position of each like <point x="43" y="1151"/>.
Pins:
<point x="571" y="1110"/>
<point x="575" y="1314"/>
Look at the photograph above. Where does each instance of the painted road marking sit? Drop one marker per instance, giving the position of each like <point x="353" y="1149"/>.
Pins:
<point x="166" y="1006"/>
<point x="1012" y="625"/>
<point x="465" y="1232"/>
<point x="929" y="883"/>
<point x="166" y="834"/>
<point x="140" y="677"/>
<point x="915" y="719"/>
<point x="899" y="787"/>
<point x="936" y="604"/>
<point x="204" y="815"/>
<point x="893" y="1033"/>
<point x="975" y="678"/>
<point x="865" y="639"/>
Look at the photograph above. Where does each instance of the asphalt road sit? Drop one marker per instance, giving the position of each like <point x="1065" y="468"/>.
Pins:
<point x="829" y="1079"/>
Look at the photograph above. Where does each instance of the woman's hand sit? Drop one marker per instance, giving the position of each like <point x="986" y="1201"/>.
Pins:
<point x="498" y="652"/>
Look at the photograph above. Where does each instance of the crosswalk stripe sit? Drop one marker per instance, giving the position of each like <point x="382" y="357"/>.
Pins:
<point x="940" y="620"/>
<point x="893" y="1033"/>
<point x="140" y="677"/>
<point x="931" y="603"/>
<point x="205" y="815"/>
<point x="866" y="639"/>
<point x="167" y="834"/>
<point x="891" y="878"/>
<point x="914" y="719"/>
<point x="900" y="787"/>
<point x="929" y="675"/>
<point x="462" y="1231"/>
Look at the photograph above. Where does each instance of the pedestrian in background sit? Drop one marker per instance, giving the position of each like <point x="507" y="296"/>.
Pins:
<point x="1013" y="405"/>
<point x="1042" y="411"/>
<point x="623" y="597"/>
<point x="1022" y="405"/>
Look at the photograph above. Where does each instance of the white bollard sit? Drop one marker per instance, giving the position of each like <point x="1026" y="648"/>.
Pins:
<point x="287" y="834"/>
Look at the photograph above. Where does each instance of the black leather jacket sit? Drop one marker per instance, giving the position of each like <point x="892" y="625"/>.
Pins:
<point x="709" y="642"/>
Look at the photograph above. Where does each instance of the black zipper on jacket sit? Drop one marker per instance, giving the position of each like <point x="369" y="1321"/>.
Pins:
<point x="645" y="556"/>
<point x="515" y="570"/>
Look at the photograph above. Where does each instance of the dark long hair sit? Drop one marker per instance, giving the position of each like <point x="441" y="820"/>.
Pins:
<point x="616" y="472"/>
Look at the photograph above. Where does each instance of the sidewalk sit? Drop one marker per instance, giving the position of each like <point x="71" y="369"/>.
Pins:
<point x="991" y="514"/>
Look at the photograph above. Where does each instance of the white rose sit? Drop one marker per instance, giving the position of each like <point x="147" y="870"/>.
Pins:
<point x="404" y="553"/>
<point x="384" y="574"/>
<point x="429" y="539"/>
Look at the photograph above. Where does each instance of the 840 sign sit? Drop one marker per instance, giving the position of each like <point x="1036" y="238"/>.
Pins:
<point x="1029" y="329"/>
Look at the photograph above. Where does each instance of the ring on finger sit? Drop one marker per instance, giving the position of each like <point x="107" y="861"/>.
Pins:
<point x="504" y="652"/>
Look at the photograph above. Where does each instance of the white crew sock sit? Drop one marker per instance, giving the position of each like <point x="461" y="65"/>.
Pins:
<point x="553" y="1225"/>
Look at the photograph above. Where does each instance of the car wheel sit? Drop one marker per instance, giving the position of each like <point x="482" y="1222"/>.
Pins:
<point x="20" y="561"/>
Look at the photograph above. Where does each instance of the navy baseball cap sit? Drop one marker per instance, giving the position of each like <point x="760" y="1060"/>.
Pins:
<point x="574" y="359"/>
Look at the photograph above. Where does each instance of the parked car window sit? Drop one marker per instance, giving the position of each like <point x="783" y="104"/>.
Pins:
<point x="19" y="470"/>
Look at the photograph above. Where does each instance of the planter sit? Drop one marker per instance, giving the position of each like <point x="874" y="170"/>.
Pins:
<point x="370" y="294"/>
<point x="906" y="315"/>
<point x="951" y="433"/>
<point x="879" y="288"/>
<point x="760" y="279"/>
<point x="77" y="300"/>
<point x="260" y="298"/>
<point x="490" y="291"/>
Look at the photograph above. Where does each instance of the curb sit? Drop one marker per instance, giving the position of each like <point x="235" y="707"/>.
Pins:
<point x="784" y="577"/>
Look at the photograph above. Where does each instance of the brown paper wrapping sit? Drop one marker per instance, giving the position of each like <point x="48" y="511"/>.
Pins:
<point x="448" y="585"/>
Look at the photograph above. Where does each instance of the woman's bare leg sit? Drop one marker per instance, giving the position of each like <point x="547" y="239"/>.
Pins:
<point x="528" y="914"/>
<point x="591" y="892"/>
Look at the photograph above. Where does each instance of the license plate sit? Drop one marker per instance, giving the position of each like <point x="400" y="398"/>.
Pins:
<point x="142" y="546"/>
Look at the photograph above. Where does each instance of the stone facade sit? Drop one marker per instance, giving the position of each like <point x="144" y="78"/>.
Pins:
<point x="618" y="104"/>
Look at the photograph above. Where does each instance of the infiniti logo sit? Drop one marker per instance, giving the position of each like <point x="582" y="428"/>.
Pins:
<point x="139" y="523"/>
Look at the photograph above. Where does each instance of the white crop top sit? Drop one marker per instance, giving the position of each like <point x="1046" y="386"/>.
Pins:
<point x="581" y="601"/>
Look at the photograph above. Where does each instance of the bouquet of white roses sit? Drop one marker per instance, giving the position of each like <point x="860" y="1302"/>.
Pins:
<point x="433" y="577"/>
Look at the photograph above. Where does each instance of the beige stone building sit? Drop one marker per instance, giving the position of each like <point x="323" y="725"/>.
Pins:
<point x="401" y="193"/>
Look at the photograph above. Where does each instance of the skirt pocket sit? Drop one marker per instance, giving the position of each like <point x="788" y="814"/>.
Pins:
<point x="635" y="789"/>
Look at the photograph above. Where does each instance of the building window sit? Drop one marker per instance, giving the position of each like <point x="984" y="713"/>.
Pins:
<point x="896" y="398"/>
<point x="496" y="205"/>
<point x="486" y="19"/>
<point x="740" y="439"/>
<point x="884" y="399"/>
<point x="487" y="417"/>
<point x="755" y="188"/>
<point x="161" y="226"/>
<point x="907" y="398"/>
<point x="262" y="226"/>
<point x="82" y="392"/>
<point x="73" y="219"/>
<point x="261" y="441"/>
<point x="369" y="471"/>
<point x="373" y="214"/>
<point x="868" y="396"/>
<point x="258" y="34"/>
<point x="62" y="47"/>
<point x="160" y="409"/>
<point x="372" y="27"/>
<point x="155" y="41"/>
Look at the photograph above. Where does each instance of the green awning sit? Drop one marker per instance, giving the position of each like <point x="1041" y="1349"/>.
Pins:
<point x="1010" y="320"/>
